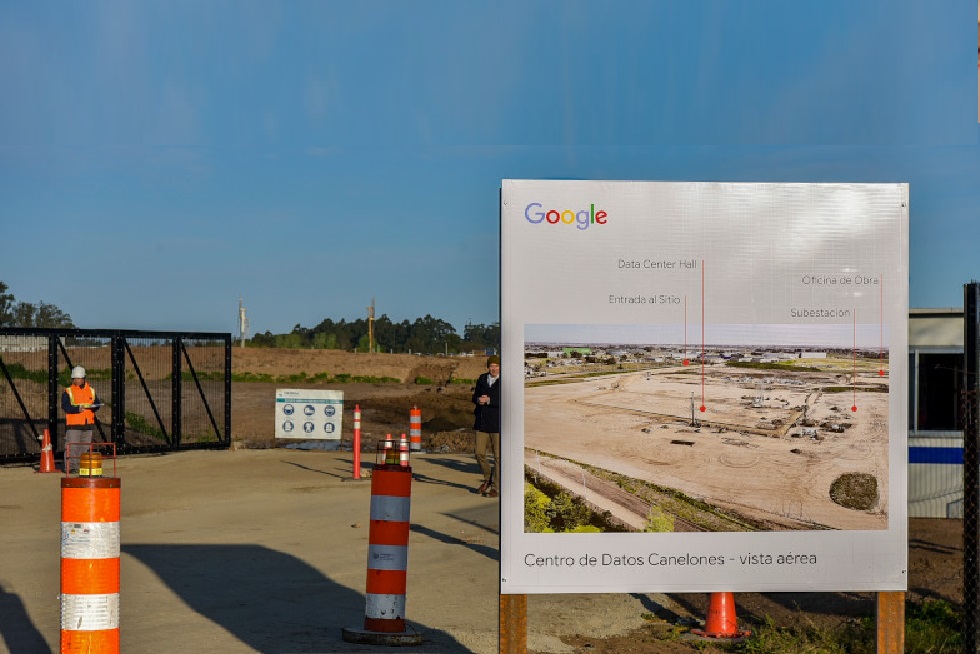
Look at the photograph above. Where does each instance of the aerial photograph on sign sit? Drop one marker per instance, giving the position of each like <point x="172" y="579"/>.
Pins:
<point x="761" y="428"/>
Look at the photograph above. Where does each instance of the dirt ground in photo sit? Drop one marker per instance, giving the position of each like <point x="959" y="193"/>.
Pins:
<point x="746" y="455"/>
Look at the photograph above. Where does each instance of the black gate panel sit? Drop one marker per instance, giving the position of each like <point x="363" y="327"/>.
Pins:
<point x="162" y="390"/>
<point x="24" y="395"/>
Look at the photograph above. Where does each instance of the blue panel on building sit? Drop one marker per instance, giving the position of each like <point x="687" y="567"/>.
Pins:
<point x="952" y="455"/>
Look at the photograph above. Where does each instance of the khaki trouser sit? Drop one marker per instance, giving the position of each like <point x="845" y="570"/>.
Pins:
<point x="483" y="442"/>
<point x="77" y="442"/>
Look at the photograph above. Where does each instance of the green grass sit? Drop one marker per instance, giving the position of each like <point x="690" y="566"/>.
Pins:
<point x="552" y="382"/>
<point x="18" y="371"/>
<point x="549" y="509"/>
<point x="931" y="627"/>
<point x="770" y="638"/>
<point x="297" y="378"/>
<point x="140" y="424"/>
<point x="851" y="389"/>
<point x="787" y="367"/>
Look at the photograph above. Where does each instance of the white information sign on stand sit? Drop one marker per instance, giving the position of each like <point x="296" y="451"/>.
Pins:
<point x="722" y="367"/>
<point x="309" y="414"/>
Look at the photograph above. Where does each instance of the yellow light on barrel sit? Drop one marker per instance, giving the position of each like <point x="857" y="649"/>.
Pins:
<point x="90" y="465"/>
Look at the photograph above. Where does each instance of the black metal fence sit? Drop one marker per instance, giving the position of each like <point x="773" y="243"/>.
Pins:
<point x="971" y="468"/>
<point x="162" y="390"/>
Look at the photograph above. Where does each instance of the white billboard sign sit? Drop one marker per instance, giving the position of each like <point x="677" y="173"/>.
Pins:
<point x="719" y="371"/>
<point x="309" y="414"/>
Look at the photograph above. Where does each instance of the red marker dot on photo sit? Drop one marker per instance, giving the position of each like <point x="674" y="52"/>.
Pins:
<point x="703" y="408"/>
<point x="687" y="362"/>
<point x="881" y="373"/>
<point x="854" y="408"/>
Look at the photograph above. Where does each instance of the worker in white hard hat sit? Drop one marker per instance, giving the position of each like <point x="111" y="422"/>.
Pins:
<point x="80" y="404"/>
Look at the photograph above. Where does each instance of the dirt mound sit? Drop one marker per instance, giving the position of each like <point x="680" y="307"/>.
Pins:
<point x="406" y="368"/>
<point x="441" y="387"/>
<point x="855" y="491"/>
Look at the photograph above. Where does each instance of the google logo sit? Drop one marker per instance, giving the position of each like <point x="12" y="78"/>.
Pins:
<point x="581" y="218"/>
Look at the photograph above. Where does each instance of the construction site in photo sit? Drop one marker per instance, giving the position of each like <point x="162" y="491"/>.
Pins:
<point x="724" y="445"/>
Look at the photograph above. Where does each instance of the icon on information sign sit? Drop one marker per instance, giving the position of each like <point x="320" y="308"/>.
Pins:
<point x="309" y="410"/>
<point x="288" y="409"/>
<point x="308" y="427"/>
<point x="329" y="410"/>
<point x="328" y="427"/>
<point x="288" y="425"/>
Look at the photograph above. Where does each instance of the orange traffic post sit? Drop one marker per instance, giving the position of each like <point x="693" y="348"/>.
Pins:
<point x="403" y="451"/>
<point x="357" y="441"/>
<point x="90" y="560"/>
<point x="721" y="623"/>
<point x="47" y="454"/>
<point x="357" y="475"/>
<point x="387" y="561"/>
<point x="415" y="428"/>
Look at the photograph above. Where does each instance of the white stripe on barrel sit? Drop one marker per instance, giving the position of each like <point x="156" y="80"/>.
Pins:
<point x="90" y="612"/>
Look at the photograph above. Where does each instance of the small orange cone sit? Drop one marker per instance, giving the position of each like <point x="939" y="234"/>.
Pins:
<point x="47" y="456"/>
<point x="721" y="622"/>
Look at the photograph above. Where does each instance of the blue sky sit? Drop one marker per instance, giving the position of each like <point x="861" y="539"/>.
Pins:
<point x="160" y="159"/>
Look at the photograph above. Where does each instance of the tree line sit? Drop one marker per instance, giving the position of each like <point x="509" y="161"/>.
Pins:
<point x="426" y="335"/>
<point x="28" y="314"/>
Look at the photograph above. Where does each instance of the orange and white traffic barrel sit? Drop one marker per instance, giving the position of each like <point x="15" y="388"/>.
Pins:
<point x="387" y="562"/>
<point x="415" y="428"/>
<point x="388" y="549"/>
<point x="90" y="564"/>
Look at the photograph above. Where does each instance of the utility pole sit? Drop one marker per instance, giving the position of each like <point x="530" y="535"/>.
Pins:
<point x="242" y="322"/>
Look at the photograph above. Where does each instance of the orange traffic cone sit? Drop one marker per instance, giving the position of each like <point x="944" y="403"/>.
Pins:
<point x="47" y="456"/>
<point x="721" y="622"/>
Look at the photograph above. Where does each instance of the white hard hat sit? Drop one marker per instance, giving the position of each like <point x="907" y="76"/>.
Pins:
<point x="78" y="372"/>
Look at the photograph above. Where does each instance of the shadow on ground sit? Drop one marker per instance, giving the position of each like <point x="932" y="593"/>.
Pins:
<point x="17" y="629"/>
<point x="468" y="465"/>
<point x="489" y="551"/>
<point x="273" y="602"/>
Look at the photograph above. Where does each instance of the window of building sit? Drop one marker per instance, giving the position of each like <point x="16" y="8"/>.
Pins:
<point x="934" y="391"/>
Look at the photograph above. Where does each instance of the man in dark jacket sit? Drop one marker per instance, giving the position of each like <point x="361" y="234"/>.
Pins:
<point x="486" y="397"/>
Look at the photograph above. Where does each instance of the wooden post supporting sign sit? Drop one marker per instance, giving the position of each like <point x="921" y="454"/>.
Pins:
<point x="890" y="619"/>
<point x="513" y="624"/>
